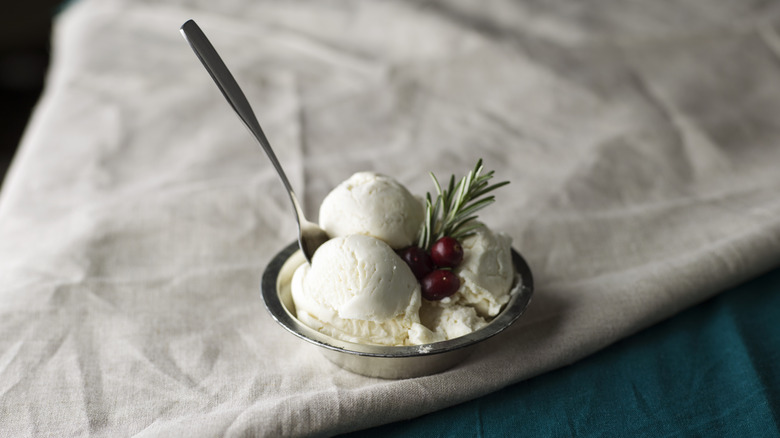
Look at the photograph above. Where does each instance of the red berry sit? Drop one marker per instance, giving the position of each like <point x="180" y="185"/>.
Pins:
<point x="439" y="284"/>
<point x="447" y="252"/>
<point x="418" y="260"/>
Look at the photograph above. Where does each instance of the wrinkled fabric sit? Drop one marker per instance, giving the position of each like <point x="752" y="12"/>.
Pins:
<point x="641" y="142"/>
<point x="708" y="371"/>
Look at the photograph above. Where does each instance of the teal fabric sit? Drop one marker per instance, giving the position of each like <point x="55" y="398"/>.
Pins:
<point x="713" y="370"/>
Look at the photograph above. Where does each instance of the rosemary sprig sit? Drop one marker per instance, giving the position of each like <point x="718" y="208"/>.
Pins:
<point x="452" y="213"/>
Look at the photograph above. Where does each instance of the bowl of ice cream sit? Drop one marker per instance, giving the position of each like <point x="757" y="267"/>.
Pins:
<point x="404" y="287"/>
<point x="386" y="361"/>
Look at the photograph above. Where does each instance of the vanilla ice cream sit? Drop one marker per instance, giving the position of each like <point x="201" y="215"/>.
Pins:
<point x="448" y="320"/>
<point x="486" y="273"/>
<point x="358" y="289"/>
<point x="375" y="205"/>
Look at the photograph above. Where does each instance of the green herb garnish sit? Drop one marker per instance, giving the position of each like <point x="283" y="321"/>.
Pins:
<point x="453" y="212"/>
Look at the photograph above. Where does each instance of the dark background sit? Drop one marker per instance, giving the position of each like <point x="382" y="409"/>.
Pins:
<point x="25" y="32"/>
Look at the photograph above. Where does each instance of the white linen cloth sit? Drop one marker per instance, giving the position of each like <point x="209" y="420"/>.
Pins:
<point x="641" y="140"/>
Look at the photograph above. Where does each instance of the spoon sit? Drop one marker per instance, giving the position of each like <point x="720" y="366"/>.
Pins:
<point x="310" y="236"/>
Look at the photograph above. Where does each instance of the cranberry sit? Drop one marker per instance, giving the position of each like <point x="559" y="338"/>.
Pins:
<point x="418" y="260"/>
<point x="439" y="284"/>
<point x="447" y="252"/>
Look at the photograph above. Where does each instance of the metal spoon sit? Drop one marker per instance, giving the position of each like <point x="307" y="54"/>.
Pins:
<point x="310" y="236"/>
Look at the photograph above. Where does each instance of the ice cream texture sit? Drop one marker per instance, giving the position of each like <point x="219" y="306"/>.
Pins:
<point x="358" y="289"/>
<point x="487" y="271"/>
<point x="374" y="205"/>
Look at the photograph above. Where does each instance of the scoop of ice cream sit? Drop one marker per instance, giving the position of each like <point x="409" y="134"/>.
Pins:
<point x="486" y="272"/>
<point x="373" y="205"/>
<point x="358" y="289"/>
<point x="449" y="320"/>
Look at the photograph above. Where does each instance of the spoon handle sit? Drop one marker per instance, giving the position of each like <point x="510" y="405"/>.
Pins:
<point x="232" y="92"/>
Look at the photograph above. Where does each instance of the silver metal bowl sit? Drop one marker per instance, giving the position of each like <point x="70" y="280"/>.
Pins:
<point x="385" y="361"/>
